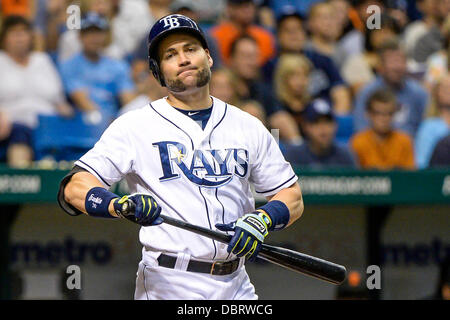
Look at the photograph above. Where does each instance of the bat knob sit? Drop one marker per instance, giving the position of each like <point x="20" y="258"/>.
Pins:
<point x="128" y="208"/>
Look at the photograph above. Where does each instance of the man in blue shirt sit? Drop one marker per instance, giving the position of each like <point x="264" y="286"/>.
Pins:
<point x="411" y="97"/>
<point x="96" y="84"/>
<point x="319" y="150"/>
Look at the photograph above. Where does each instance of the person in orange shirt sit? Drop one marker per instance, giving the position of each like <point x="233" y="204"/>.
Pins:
<point x="381" y="146"/>
<point x="241" y="16"/>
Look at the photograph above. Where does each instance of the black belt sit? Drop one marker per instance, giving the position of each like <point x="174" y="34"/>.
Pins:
<point x="216" y="268"/>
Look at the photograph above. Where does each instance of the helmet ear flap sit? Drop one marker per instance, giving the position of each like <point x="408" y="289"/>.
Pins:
<point x="155" y="71"/>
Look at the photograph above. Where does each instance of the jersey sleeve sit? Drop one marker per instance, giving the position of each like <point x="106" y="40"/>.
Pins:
<point x="112" y="157"/>
<point x="270" y="172"/>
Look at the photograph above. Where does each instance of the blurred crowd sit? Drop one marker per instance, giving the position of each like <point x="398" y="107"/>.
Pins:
<point x="348" y="83"/>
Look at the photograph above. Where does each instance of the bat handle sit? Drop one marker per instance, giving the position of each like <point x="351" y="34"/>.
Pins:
<point x="128" y="208"/>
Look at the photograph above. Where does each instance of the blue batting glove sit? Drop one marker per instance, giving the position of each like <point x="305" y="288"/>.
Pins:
<point x="249" y="233"/>
<point x="146" y="210"/>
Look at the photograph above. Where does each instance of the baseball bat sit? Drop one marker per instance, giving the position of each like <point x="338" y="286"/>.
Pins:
<point x="289" y="259"/>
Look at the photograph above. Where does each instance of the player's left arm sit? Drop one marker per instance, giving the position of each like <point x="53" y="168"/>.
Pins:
<point x="293" y="199"/>
<point x="281" y="210"/>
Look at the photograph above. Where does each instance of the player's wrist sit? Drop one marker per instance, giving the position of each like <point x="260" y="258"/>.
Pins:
<point x="98" y="203"/>
<point x="276" y="213"/>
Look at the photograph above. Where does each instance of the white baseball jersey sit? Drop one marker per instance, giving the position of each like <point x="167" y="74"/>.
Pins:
<point x="199" y="176"/>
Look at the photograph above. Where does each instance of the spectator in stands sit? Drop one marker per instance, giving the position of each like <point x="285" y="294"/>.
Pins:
<point x="361" y="69"/>
<point x="148" y="89"/>
<point x="222" y="86"/>
<point x="94" y="81"/>
<point x="277" y="6"/>
<point x="433" y="129"/>
<point x="241" y="20"/>
<point x="416" y="29"/>
<point x="29" y="85"/>
<point x="412" y="98"/>
<point x="353" y="41"/>
<point x="51" y="19"/>
<point x="437" y="65"/>
<point x="249" y="86"/>
<point x="441" y="158"/>
<point x="326" y="82"/>
<point x="325" y="29"/>
<point x="432" y="40"/>
<point x="130" y="21"/>
<point x="319" y="149"/>
<point x="381" y="146"/>
<point x="291" y="84"/>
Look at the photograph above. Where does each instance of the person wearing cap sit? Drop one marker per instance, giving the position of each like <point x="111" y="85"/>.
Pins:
<point x="94" y="81"/>
<point x="241" y="20"/>
<point x="319" y="149"/>
<point x="381" y="146"/>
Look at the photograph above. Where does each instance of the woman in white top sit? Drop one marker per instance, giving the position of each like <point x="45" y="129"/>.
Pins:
<point x="29" y="84"/>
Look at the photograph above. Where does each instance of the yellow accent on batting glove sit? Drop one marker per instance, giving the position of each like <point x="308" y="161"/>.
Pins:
<point x="146" y="212"/>
<point x="249" y="233"/>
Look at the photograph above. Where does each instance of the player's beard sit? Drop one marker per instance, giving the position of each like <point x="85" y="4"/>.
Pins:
<point x="177" y="85"/>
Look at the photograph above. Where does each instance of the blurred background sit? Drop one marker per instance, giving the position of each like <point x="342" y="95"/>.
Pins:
<point x="358" y="91"/>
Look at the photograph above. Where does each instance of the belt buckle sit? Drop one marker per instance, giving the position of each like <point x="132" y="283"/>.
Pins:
<point x="212" y="268"/>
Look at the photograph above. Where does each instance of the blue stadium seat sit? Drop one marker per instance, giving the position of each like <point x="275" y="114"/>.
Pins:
<point x="64" y="138"/>
<point x="345" y="128"/>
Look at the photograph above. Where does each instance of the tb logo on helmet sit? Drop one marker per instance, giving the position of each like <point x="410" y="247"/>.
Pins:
<point x="171" y="22"/>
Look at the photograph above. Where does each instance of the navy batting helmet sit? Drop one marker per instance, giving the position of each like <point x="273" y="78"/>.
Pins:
<point x="161" y="29"/>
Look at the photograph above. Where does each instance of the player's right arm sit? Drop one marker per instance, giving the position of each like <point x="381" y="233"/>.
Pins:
<point x="81" y="192"/>
<point x="78" y="187"/>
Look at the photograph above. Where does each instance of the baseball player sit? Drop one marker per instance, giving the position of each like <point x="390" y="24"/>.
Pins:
<point x="192" y="157"/>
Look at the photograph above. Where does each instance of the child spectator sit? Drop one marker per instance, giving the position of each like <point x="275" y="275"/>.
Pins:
<point x="381" y="146"/>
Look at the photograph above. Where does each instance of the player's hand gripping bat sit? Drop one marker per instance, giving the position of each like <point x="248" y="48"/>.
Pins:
<point x="289" y="259"/>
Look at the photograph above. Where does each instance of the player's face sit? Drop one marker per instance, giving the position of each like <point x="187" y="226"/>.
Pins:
<point x="184" y="63"/>
<point x="381" y="115"/>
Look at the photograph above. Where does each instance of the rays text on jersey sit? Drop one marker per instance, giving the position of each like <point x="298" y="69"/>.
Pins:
<point x="207" y="168"/>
